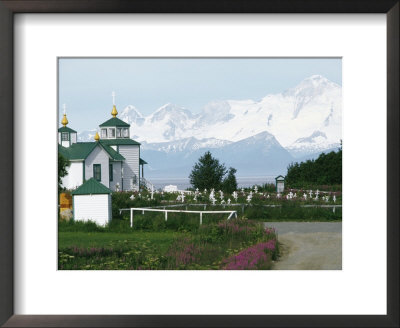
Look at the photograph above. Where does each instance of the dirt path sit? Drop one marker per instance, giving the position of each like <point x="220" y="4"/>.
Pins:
<point x="309" y="245"/>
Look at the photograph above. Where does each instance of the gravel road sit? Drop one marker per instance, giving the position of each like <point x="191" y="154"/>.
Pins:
<point x="309" y="245"/>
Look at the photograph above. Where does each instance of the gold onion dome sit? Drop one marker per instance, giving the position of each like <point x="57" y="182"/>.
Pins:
<point x="64" y="120"/>
<point x="97" y="137"/>
<point x="114" y="111"/>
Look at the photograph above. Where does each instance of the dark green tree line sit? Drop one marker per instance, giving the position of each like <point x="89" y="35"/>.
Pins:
<point x="325" y="170"/>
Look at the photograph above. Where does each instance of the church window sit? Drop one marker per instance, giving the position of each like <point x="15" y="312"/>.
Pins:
<point x="119" y="133"/>
<point x="104" y="133"/>
<point x="64" y="136"/>
<point x="126" y="133"/>
<point x="111" y="132"/>
<point x="97" y="172"/>
<point x="111" y="172"/>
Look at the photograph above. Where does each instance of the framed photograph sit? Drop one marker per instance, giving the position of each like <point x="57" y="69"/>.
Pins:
<point x="199" y="163"/>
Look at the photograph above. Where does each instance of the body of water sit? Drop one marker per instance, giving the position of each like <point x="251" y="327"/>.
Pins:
<point x="184" y="183"/>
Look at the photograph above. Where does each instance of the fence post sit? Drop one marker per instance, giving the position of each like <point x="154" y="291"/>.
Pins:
<point x="166" y="215"/>
<point x="201" y="218"/>
<point x="143" y="212"/>
<point x="131" y="218"/>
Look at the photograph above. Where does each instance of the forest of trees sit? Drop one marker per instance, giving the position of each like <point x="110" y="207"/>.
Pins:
<point x="325" y="170"/>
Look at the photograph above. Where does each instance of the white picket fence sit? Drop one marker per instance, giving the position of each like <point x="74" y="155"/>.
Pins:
<point x="146" y="209"/>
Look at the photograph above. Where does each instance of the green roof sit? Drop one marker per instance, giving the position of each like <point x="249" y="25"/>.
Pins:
<point x="66" y="129"/>
<point x="92" y="187"/>
<point x="142" y="161"/>
<point x="81" y="150"/>
<point x="119" y="141"/>
<point x="114" y="155"/>
<point x="115" y="122"/>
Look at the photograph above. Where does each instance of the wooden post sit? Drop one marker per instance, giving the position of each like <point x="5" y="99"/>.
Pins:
<point x="201" y="218"/>
<point x="166" y="215"/>
<point x="131" y="218"/>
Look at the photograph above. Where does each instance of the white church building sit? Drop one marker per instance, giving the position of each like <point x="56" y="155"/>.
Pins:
<point x="113" y="158"/>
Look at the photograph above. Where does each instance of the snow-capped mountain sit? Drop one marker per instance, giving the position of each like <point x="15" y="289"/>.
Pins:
<point x="313" y="106"/>
<point x="87" y="135"/>
<point x="132" y="116"/>
<point x="256" y="155"/>
<point x="169" y="122"/>
<point x="301" y="121"/>
<point x="187" y="144"/>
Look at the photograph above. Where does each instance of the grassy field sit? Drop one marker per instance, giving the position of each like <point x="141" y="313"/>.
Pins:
<point x="111" y="239"/>
<point x="235" y="244"/>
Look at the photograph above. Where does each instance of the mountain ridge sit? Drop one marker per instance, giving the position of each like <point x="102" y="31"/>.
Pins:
<point x="303" y="120"/>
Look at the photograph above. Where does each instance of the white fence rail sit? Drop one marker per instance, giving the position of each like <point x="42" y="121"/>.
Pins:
<point x="146" y="209"/>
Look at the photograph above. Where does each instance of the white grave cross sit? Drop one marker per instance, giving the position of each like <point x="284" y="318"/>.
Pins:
<point x="235" y="195"/>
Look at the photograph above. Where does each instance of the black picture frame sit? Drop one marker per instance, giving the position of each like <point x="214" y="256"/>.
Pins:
<point x="10" y="7"/>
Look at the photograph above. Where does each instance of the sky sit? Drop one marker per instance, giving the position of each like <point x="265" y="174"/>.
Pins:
<point x="85" y="85"/>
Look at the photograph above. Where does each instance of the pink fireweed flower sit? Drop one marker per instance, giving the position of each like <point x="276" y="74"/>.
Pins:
<point x="253" y="257"/>
<point x="269" y="230"/>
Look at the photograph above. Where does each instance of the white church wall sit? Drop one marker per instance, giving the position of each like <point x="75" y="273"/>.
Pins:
<point x="96" y="208"/>
<point x="116" y="175"/>
<point x="130" y="166"/>
<point x="98" y="156"/>
<point x="74" y="178"/>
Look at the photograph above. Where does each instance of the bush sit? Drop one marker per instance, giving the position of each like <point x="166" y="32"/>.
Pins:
<point x="291" y="212"/>
<point x="122" y="200"/>
<point x="74" y="226"/>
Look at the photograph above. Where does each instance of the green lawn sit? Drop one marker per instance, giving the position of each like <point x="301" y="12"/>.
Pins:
<point x="112" y="239"/>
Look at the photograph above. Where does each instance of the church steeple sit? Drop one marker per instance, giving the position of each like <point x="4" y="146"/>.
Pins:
<point x="114" y="128"/>
<point x="114" y="112"/>
<point x="64" y="120"/>
<point x="66" y="136"/>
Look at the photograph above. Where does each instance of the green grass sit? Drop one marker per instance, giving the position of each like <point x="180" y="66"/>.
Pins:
<point x="84" y="246"/>
<point x="111" y="239"/>
<point x="111" y="250"/>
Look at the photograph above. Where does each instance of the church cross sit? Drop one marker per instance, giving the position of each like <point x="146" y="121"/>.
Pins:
<point x="113" y="97"/>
